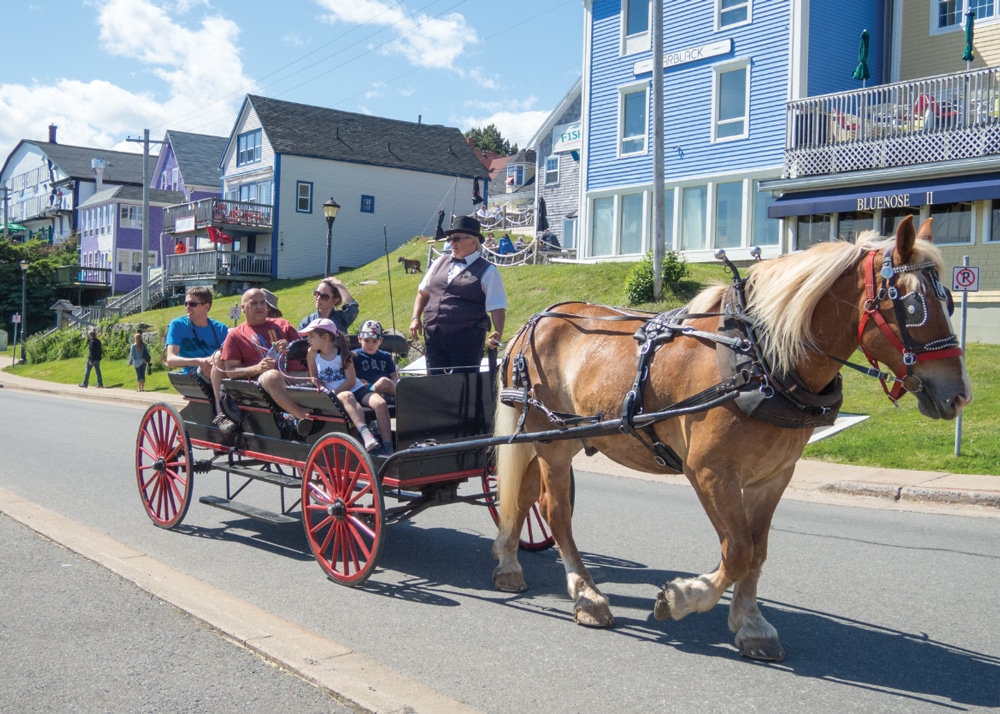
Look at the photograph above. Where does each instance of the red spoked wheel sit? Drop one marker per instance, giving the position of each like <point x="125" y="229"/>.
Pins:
<point x="535" y="534"/>
<point x="343" y="512"/>
<point x="163" y="466"/>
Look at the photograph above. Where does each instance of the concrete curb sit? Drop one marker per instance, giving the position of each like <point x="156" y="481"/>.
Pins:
<point x="951" y="497"/>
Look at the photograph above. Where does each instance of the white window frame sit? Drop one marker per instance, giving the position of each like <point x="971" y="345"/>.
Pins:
<point x="623" y="93"/>
<point x="719" y="11"/>
<point x="555" y="158"/>
<point x="637" y="41"/>
<point x="959" y="26"/>
<point x="718" y="71"/>
<point x="308" y="186"/>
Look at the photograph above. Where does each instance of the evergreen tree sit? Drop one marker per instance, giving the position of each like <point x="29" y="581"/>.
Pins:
<point x="490" y="139"/>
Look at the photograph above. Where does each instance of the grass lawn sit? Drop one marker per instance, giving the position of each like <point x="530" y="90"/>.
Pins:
<point x="892" y="438"/>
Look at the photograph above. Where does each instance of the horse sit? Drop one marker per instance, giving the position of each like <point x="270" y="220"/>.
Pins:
<point x="797" y="319"/>
<point x="409" y="266"/>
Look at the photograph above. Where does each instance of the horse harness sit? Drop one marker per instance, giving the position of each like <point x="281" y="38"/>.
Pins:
<point x="748" y="379"/>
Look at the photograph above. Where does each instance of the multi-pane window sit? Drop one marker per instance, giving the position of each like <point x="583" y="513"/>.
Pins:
<point x="633" y="122"/>
<point x="551" y="170"/>
<point x="950" y="13"/>
<point x="733" y="12"/>
<point x="303" y="196"/>
<point x="731" y="102"/>
<point x="130" y="216"/>
<point x="515" y="175"/>
<point x="248" y="147"/>
<point x="367" y="204"/>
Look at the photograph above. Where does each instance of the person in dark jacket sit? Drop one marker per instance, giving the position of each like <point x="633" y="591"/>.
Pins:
<point x="455" y="301"/>
<point x="94" y="354"/>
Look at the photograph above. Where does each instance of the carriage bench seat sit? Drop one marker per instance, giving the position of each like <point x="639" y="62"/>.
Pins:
<point x="191" y="386"/>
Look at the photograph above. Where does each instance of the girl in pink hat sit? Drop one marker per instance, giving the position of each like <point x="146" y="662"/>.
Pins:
<point x="331" y="365"/>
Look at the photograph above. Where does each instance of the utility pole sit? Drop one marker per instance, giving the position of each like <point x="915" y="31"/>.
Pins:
<point x="659" y="235"/>
<point x="144" y="293"/>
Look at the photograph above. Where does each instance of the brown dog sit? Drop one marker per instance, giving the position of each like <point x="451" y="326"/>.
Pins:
<point x="410" y="266"/>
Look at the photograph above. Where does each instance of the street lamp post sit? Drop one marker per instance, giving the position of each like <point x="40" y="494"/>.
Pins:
<point x="330" y="209"/>
<point x="24" y="315"/>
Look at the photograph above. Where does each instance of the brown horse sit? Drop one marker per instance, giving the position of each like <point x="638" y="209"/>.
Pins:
<point x="806" y="313"/>
<point x="409" y="266"/>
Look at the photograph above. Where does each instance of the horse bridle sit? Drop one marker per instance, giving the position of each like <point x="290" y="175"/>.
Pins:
<point x="882" y="285"/>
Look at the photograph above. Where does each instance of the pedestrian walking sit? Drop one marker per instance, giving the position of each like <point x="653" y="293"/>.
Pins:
<point x="94" y="354"/>
<point x="138" y="357"/>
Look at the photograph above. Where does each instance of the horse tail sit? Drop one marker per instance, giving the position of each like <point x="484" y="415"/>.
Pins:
<point x="511" y="462"/>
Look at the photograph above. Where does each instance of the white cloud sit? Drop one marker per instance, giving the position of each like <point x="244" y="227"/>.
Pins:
<point x="198" y="73"/>
<point x="293" y="40"/>
<point x="515" y="127"/>
<point x="425" y="41"/>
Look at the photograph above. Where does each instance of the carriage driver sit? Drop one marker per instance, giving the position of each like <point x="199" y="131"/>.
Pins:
<point x="250" y="352"/>
<point x="454" y="298"/>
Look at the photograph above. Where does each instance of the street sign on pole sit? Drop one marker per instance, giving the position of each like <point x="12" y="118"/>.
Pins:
<point x="965" y="278"/>
<point x="234" y="313"/>
<point x="17" y="318"/>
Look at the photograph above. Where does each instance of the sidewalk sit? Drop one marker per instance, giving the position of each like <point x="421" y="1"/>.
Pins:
<point x="813" y="480"/>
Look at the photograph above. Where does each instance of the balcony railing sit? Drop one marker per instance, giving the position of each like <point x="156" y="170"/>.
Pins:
<point x="75" y="276"/>
<point x="943" y="118"/>
<point x="220" y="213"/>
<point x="217" y="265"/>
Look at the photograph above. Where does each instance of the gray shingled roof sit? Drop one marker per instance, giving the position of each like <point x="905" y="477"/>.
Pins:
<point x="198" y="157"/>
<point x="134" y="193"/>
<point x="74" y="161"/>
<point x="303" y="130"/>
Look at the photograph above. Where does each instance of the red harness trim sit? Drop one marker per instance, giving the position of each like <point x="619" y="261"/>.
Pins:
<point x="873" y="312"/>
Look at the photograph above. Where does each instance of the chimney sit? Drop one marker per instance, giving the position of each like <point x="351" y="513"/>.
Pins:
<point x="420" y="118"/>
<point x="471" y="142"/>
<point x="98" y="166"/>
<point x="52" y="133"/>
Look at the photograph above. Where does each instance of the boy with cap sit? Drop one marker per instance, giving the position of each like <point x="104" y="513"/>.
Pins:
<point x="375" y="367"/>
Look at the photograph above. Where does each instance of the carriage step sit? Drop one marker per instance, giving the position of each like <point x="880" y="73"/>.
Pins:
<point x="258" y="514"/>
<point x="266" y="476"/>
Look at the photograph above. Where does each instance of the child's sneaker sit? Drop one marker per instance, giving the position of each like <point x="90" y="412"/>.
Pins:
<point x="371" y="443"/>
<point x="387" y="449"/>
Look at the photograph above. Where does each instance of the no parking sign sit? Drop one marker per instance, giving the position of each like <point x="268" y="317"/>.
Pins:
<point x="965" y="278"/>
<point x="234" y="313"/>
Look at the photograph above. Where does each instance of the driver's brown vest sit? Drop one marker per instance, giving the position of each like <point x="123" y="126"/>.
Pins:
<point x="460" y="305"/>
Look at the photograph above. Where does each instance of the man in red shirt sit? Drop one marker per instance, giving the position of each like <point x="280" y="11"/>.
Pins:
<point x="251" y="350"/>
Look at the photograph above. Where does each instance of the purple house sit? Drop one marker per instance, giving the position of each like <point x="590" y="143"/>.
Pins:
<point x="188" y="163"/>
<point x="110" y="228"/>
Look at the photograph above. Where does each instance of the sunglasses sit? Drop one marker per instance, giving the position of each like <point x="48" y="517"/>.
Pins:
<point x="322" y="296"/>
<point x="191" y="303"/>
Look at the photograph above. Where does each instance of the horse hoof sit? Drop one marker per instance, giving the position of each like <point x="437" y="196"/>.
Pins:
<point x="661" y="610"/>
<point x="509" y="582"/>
<point x="590" y="618"/>
<point x="766" y="650"/>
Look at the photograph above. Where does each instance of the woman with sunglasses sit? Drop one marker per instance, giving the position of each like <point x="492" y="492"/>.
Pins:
<point x="333" y="302"/>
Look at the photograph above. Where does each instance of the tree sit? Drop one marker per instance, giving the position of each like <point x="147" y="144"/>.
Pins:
<point x="490" y="139"/>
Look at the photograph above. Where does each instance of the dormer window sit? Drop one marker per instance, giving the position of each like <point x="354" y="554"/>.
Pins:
<point x="515" y="176"/>
<point x="248" y="147"/>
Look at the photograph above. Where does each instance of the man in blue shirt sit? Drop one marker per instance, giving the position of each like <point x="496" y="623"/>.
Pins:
<point x="194" y="340"/>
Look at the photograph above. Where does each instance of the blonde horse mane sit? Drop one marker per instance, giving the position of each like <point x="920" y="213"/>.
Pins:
<point x="783" y="293"/>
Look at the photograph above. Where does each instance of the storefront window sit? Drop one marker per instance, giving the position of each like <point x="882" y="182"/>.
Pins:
<point x="851" y="224"/>
<point x="694" y="200"/>
<point x="952" y="223"/>
<point x="728" y="214"/>
<point x="765" y="230"/>
<point x="604" y="225"/>
<point x="995" y="222"/>
<point x="812" y="229"/>
<point x="632" y="214"/>
<point x="892" y="216"/>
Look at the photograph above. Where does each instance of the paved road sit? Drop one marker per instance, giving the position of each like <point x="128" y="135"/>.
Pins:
<point x="75" y="637"/>
<point x="866" y="600"/>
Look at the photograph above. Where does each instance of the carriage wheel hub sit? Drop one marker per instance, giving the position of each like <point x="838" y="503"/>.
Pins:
<point x="160" y="465"/>
<point x="338" y="509"/>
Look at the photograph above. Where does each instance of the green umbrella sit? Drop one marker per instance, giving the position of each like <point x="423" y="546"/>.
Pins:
<point x="15" y="228"/>
<point x="970" y="20"/>
<point x="861" y="71"/>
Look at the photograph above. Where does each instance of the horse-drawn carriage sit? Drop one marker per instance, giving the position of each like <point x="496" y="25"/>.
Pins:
<point x="326" y="480"/>
<point x="726" y="390"/>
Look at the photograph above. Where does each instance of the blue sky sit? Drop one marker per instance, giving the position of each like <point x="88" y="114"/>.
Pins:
<point x="103" y="70"/>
